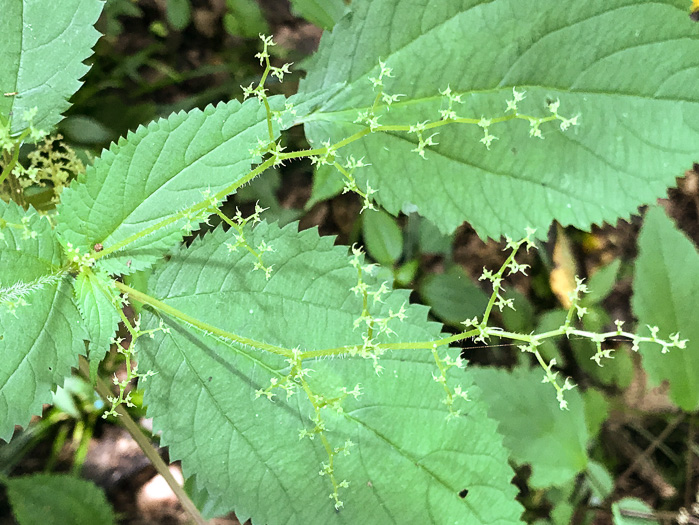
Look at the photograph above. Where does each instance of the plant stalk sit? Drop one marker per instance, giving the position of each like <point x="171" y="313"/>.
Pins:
<point x="146" y="446"/>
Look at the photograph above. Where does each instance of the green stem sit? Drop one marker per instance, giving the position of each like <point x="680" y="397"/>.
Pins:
<point x="420" y="345"/>
<point x="270" y="128"/>
<point x="189" y="211"/>
<point x="497" y="286"/>
<point x="286" y="352"/>
<point x="15" y="156"/>
<point x="173" y="312"/>
<point x="193" y="210"/>
<point x="146" y="446"/>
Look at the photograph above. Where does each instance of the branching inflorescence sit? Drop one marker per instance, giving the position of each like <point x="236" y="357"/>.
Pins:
<point x="374" y="329"/>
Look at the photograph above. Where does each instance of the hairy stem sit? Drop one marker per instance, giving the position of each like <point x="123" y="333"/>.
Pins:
<point x="199" y="207"/>
<point x="146" y="446"/>
<point x="173" y="312"/>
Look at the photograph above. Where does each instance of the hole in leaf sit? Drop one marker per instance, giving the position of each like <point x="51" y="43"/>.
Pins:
<point x="463" y="493"/>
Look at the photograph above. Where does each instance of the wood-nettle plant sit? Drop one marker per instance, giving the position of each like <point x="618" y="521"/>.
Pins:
<point x="292" y="383"/>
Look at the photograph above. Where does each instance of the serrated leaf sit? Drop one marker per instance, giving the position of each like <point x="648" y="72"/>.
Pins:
<point x="633" y="84"/>
<point x="42" y="48"/>
<point x="323" y="13"/>
<point x="536" y="430"/>
<point x="157" y="172"/>
<point x="666" y="294"/>
<point x="95" y="296"/>
<point x="39" y="341"/>
<point x="209" y="507"/>
<point x="53" y="499"/>
<point x="409" y="463"/>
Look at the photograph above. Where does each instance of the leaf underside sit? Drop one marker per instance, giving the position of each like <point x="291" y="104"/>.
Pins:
<point x="41" y="341"/>
<point x="634" y="85"/>
<point x="43" y="47"/>
<point x="409" y="463"/>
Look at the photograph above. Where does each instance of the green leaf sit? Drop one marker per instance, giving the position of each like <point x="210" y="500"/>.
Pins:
<point x="633" y="505"/>
<point x="521" y="317"/>
<point x="43" y="46"/>
<point x="209" y="507"/>
<point x="562" y="514"/>
<point x="74" y="388"/>
<point x="86" y="130"/>
<point x="401" y="469"/>
<point x="405" y="273"/>
<point x="432" y="240"/>
<point x="41" y="332"/>
<point x="157" y="172"/>
<point x="601" y="283"/>
<point x="596" y="410"/>
<point x="560" y="498"/>
<point x="96" y="296"/>
<point x="536" y="430"/>
<point x="179" y="13"/>
<point x="666" y="294"/>
<point x="327" y="183"/>
<point x="453" y="296"/>
<point x="53" y="499"/>
<point x="323" y="13"/>
<point x="383" y="238"/>
<point x="600" y="480"/>
<point x="636" y="85"/>
<point x="244" y="18"/>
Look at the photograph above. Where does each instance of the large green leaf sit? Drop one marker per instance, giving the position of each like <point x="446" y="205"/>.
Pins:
<point x="53" y="499"/>
<point x="96" y="298"/>
<point x="409" y="463"/>
<point x="39" y="340"/>
<point x="536" y="430"/>
<point x="628" y="68"/>
<point x="157" y="172"/>
<point x="666" y="294"/>
<point x="42" y="48"/>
